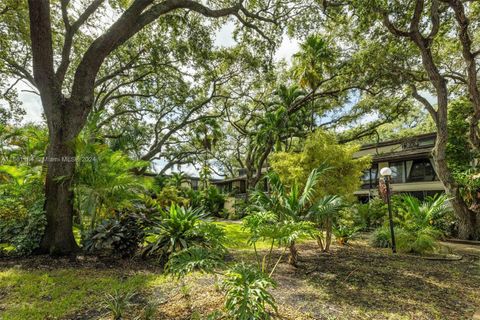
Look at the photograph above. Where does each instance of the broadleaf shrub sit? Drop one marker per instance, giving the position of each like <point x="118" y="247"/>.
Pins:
<point x="247" y="295"/>
<point x="22" y="218"/>
<point x="24" y="232"/>
<point x="121" y="235"/>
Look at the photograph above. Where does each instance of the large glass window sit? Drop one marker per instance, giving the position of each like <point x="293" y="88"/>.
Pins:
<point x="420" y="170"/>
<point x="398" y="172"/>
<point x="370" y="177"/>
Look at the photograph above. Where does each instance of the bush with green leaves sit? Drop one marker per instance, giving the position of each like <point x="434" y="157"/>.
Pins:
<point x="121" y="235"/>
<point x="247" y="296"/>
<point x="171" y="195"/>
<point x="415" y="224"/>
<point x="407" y="241"/>
<point x="369" y="216"/>
<point x="344" y="233"/>
<point x="213" y="200"/>
<point x="210" y="200"/>
<point x="104" y="181"/>
<point x="24" y="232"/>
<point x="22" y="218"/>
<point x="266" y="226"/>
<point x="180" y="228"/>
<point x="192" y="259"/>
<point x="291" y="206"/>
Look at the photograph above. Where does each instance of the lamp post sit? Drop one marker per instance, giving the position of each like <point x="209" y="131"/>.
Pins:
<point x="387" y="174"/>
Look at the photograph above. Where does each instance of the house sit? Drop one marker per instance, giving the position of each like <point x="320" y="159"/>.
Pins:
<point x="409" y="158"/>
<point x="413" y="169"/>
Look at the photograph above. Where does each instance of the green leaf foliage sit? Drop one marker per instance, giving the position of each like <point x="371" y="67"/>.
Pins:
<point x="247" y="295"/>
<point x="180" y="228"/>
<point x="321" y="148"/>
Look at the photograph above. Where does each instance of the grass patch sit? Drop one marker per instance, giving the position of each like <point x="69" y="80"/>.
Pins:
<point x="238" y="238"/>
<point x="352" y="282"/>
<point x="50" y="294"/>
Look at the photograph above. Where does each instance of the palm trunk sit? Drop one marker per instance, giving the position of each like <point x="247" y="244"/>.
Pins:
<point x="320" y="242"/>
<point x="293" y="258"/>
<point x="328" y="237"/>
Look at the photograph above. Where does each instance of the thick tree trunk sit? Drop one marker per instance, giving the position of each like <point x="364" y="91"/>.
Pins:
<point x="468" y="221"/>
<point x="60" y="164"/>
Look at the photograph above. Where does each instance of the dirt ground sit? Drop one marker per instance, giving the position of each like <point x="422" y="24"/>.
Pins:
<point x="352" y="282"/>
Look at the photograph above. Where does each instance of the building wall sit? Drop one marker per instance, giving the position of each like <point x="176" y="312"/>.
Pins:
<point x="379" y="150"/>
<point x="401" y="151"/>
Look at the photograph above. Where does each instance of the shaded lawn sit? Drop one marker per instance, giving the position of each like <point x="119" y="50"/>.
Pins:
<point x="53" y="293"/>
<point x="355" y="282"/>
<point x="238" y="238"/>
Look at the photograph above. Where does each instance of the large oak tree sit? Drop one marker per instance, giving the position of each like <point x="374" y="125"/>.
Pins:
<point x="66" y="61"/>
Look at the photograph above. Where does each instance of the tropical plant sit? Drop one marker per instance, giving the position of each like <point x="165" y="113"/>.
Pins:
<point x="192" y="259"/>
<point x="117" y="303"/>
<point x="313" y="61"/>
<point x="177" y="179"/>
<point x="344" y="233"/>
<point x="289" y="206"/>
<point x="22" y="218"/>
<point x="405" y="240"/>
<point x="324" y="214"/>
<point x="121" y="235"/>
<point x="415" y="224"/>
<point x="170" y="195"/>
<point x="416" y="215"/>
<point x="247" y="296"/>
<point x="104" y="181"/>
<point x="212" y="200"/>
<point x="368" y="216"/>
<point x="266" y="226"/>
<point x="180" y="228"/>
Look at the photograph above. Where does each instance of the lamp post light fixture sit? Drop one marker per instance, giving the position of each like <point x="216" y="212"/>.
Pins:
<point x="387" y="174"/>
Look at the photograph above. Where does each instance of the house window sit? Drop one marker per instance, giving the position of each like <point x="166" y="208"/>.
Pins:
<point x="194" y="184"/>
<point x="420" y="170"/>
<point x="370" y="177"/>
<point x="398" y="171"/>
<point x="243" y="186"/>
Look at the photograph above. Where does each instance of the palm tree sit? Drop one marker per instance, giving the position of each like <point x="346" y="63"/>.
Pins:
<point x="277" y="122"/>
<point x="104" y="180"/>
<point x="416" y="215"/>
<point x="313" y="61"/>
<point x="208" y="133"/>
<point x="290" y="205"/>
<point x="323" y="214"/>
<point x="177" y="179"/>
